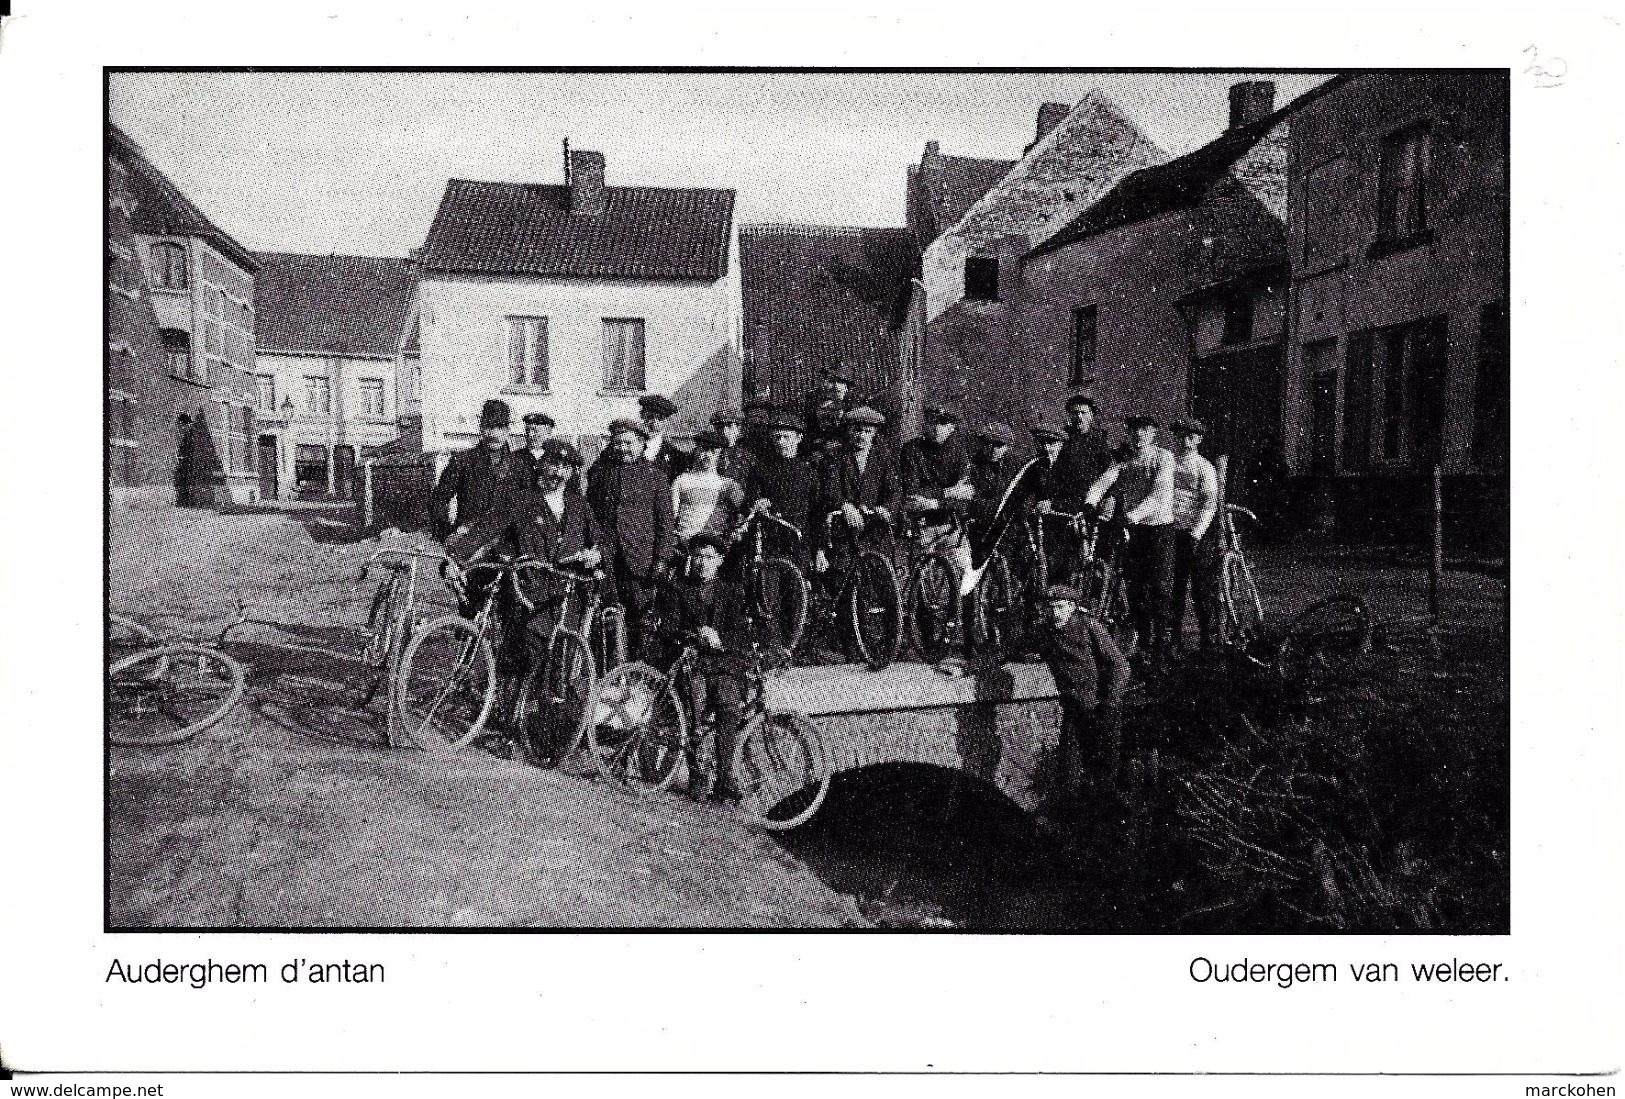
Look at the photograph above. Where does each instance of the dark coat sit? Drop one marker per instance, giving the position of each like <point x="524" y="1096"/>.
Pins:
<point x="671" y="461"/>
<point x="632" y="503"/>
<point x="685" y="605"/>
<point x="523" y="526"/>
<point x="532" y="467"/>
<point x="1083" y="459"/>
<point x="877" y="486"/>
<point x="928" y="468"/>
<point x="825" y="419"/>
<point x="476" y="478"/>
<point x="791" y="485"/>
<point x="736" y="462"/>
<point x="990" y="479"/>
<point x="1088" y="667"/>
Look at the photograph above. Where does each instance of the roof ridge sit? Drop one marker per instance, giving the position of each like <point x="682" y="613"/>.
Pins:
<point x="809" y="227"/>
<point x="608" y="186"/>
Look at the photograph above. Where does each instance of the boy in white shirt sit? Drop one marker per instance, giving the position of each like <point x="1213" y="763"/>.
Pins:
<point x="1196" y="542"/>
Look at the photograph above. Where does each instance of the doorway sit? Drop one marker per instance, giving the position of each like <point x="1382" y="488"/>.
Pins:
<point x="267" y="467"/>
<point x="344" y="471"/>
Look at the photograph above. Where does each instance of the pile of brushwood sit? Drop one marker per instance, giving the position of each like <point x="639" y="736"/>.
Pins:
<point x="1259" y="808"/>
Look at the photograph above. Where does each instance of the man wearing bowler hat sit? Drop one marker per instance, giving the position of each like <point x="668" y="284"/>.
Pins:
<point x="477" y="478"/>
<point x="1142" y="479"/>
<point x="631" y="499"/>
<point x="1196" y="539"/>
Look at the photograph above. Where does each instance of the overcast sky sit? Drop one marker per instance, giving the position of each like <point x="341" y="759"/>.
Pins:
<point x="356" y="162"/>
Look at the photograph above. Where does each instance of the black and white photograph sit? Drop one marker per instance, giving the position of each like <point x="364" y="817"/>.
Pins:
<point x="866" y="500"/>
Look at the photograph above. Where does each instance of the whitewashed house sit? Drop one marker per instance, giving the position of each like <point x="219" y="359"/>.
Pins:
<point x="574" y="300"/>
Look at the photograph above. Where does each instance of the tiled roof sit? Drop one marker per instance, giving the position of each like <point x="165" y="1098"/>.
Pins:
<point x="952" y="184"/>
<point x="528" y="229"/>
<point x="350" y="304"/>
<point x="817" y="296"/>
<point x="1177" y="183"/>
<point x="160" y="207"/>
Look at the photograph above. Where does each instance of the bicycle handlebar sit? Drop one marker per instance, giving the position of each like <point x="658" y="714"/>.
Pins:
<point x="407" y="552"/>
<point x="1237" y="508"/>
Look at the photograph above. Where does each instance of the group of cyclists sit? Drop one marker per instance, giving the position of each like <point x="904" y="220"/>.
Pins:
<point x="665" y="526"/>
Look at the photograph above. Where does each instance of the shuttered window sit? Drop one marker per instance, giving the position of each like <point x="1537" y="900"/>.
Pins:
<point x="527" y="352"/>
<point x="623" y="353"/>
<point x="1402" y="201"/>
<point x="169" y="266"/>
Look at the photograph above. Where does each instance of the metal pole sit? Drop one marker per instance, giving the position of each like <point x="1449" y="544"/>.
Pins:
<point x="366" y="495"/>
<point x="1436" y="561"/>
<point x="1221" y="467"/>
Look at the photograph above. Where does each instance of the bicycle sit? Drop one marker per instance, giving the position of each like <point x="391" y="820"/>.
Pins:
<point x="1241" y="611"/>
<point x="776" y="587"/>
<point x="642" y="723"/>
<point x="391" y="619"/>
<point x="936" y="610"/>
<point x="589" y="637"/>
<point x="166" y="692"/>
<point x="866" y="600"/>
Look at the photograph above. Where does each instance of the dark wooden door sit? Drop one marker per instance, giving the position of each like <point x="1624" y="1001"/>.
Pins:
<point x="1238" y="396"/>
<point x="267" y="467"/>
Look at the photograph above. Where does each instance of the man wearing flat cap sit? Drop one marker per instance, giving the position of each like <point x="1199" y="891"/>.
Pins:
<point x="478" y="477"/>
<point x="1084" y="455"/>
<point x="538" y="430"/>
<point x="1043" y="486"/>
<point x="823" y="414"/>
<point x="631" y="499"/>
<point x="991" y="470"/>
<point x="785" y="484"/>
<point x="860" y="481"/>
<point x="1091" y="674"/>
<point x="735" y="460"/>
<point x="655" y="411"/>
<point x="1196" y="537"/>
<point x="935" y="469"/>
<point x="544" y="519"/>
<point x="1142" y="480"/>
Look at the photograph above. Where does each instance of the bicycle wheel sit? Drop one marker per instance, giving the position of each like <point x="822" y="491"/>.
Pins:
<point x="609" y="645"/>
<point x="874" y="609"/>
<point x="636" y="727"/>
<point x="781" y="769"/>
<point x="992" y="602"/>
<point x="555" y="701"/>
<point x="126" y="633"/>
<point x="1108" y="595"/>
<point x="780" y="593"/>
<point x="1242" y="612"/>
<point x="447" y="684"/>
<point x="1324" y="642"/>
<point x="167" y="694"/>
<point x="380" y="641"/>
<point x="934" y="601"/>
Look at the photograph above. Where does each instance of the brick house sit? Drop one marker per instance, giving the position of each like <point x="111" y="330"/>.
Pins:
<point x="181" y="410"/>
<point x="819" y="296"/>
<point x="575" y="300"/>
<point x="962" y="317"/>
<point x="327" y="365"/>
<point x="1397" y="354"/>
<point x="1168" y="294"/>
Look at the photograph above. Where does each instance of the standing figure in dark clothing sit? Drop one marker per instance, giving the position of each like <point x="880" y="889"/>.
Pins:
<point x="1091" y="674"/>
<point x="990" y="471"/>
<point x="861" y="482"/>
<point x="538" y="430"/>
<point x="478" y="477"/>
<point x="712" y="610"/>
<point x="546" y="520"/>
<point x="786" y="485"/>
<point x="631" y="499"/>
<point x="1060" y="545"/>
<point x="1084" y="456"/>
<point x="736" y="460"/>
<point x="935" y="470"/>
<point x="656" y="410"/>
<point x="823" y="412"/>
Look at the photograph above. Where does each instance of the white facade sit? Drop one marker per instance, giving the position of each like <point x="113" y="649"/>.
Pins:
<point x="691" y="332"/>
<point x="359" y="411"/>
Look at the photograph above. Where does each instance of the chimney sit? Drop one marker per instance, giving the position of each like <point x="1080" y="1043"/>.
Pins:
<point x="932" y="148"/>
<point x="586" y="180"/>
<point x="1049" y="117"/>
<point x="1251" y="100"/>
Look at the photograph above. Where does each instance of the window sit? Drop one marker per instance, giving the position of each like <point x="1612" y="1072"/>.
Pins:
<point x="169" y="266"/>
<point x="1393" y="395"/>
<point x="310" y="467"/>
<point x="1320" y="363"/>
<point x="177" y="351"/>
<point x="1085" y="336"/>
<point x="239" y="426"/>
<point x="265" y="392"/>
<point x="623" y="353"/>
<point x="982" y="279"/>
<point x="1402" y="178"/>
<point x="318" y="396"/>
<point x="372" y="396"/>
<point x="1493" y="398"/>
<point x="1238" y="317"/>
<point x="527" y="351"/>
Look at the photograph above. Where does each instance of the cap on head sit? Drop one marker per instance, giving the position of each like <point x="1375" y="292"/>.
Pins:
<point x="997" y="434"/>
<point x="838" y="375"/>
<point x="864" y="416"/>
<point x="783" y="421"/>
<point x="1047" y="432"/>
<point x="539" y="418"/>
<point x="1057" y="592"/>
<point x="495" y="413"/>
<point x="941" y="414"/>
<point x="655" y="407"/>
<point x="709" y="440"/>
<point x="561" y="450"/>
<point x="1189" y="425"/>
<point x="1140" y="419"/>
<point x="624" y="424"/>
<point x="726" y="416"/>
<point x="1079" y="399"/>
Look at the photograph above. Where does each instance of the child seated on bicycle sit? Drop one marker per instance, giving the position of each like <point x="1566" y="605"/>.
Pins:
<point x="701" y="607"/>
<point x="1091" y="673"/>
